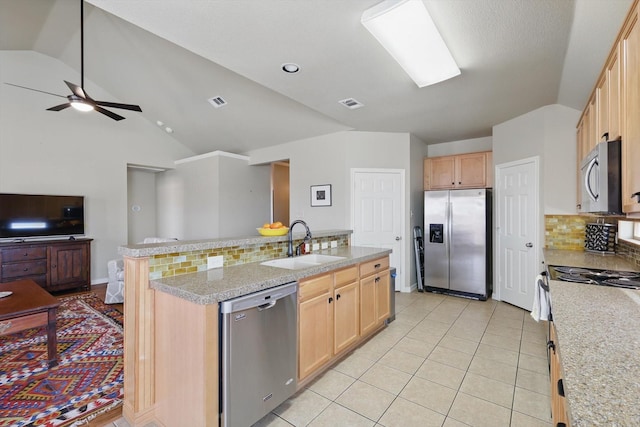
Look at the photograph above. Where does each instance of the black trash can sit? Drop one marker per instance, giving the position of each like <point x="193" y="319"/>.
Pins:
<point x="392" y="296"/>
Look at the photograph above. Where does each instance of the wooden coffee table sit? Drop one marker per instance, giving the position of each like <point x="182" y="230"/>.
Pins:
<point x="29" y="306"/>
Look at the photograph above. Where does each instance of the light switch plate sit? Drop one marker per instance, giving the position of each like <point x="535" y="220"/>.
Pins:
<point x="325" y="245"/>
<point x="214" y="262"/>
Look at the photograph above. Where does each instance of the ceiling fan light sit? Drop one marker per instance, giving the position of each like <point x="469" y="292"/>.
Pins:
<point x="79" y="103"/>
<point x="405" y="29"/>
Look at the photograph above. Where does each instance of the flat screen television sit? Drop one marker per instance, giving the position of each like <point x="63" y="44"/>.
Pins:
<point x="33" y="215"/>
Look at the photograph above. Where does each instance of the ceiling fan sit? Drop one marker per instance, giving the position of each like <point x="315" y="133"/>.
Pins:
<point x="79" y="98"/>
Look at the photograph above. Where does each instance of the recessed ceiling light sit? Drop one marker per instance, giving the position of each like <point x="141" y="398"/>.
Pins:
<point x="290" y="68"/>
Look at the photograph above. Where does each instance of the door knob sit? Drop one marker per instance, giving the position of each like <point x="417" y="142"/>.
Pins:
<point x="398" y="238"/>
<point x="529" y="245"/>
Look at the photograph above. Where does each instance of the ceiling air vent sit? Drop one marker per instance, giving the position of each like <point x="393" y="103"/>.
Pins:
<point x="351" y="103"/>
<point x="217" y="101"/>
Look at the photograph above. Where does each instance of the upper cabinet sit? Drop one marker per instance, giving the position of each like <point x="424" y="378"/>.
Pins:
<point x="613" y="110"/>
<point x="630" y="112"/>
<point x="473" y="170"/>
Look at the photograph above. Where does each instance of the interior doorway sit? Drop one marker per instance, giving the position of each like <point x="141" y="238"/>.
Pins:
<point x="280" y="192"/>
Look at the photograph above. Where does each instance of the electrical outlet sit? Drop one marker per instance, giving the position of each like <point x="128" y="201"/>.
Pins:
<point x="325" y="245"/>
<point x="214" y="262"/>
<point x="315" y="247"/>
<point x="334" y="244"/>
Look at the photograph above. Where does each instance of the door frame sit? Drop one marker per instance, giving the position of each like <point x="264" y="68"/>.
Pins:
<point x="405" y="286"/>
<point x="498" y="211"/>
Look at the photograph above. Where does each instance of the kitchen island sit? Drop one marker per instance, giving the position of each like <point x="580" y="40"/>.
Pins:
<point x="171" y="319"/>
<point x="598" y="334"/>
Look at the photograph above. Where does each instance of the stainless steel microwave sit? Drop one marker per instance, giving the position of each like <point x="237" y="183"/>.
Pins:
<point x="601" y="179"/>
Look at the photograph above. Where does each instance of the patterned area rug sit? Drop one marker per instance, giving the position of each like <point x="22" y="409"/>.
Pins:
<point x="88" y="379"/>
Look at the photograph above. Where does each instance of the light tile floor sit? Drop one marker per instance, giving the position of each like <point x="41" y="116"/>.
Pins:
<point x="445" y="361"/>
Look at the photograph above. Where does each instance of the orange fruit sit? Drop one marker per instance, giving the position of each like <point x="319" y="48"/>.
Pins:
<point x="276" y="224"/>
<point x="266" y="225"/>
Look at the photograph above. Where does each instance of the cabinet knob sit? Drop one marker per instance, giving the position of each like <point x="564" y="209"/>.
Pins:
<point x="26" y="269"/>
<point x="26" y="254"/>
<point x="377" y="279"/>
<point x="54" y="266"/>
<point x="376" y="266"/>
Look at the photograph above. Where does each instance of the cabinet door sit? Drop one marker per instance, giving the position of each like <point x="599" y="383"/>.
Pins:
<point x="471" y="170"/>
<point x="630" y="88"/>
<point x="368" y="317"/>
<point x="602" y="105"/>
<point x="315" y="340"/>
<point x="382" y="282"/>
<point x="580" y="135"/>
<point x="442" y="173"/>
<point x="426" y="173"/>
<point x="613" y="75"/>
<point x="68" y="265"/>
<point x="346" y="317"/>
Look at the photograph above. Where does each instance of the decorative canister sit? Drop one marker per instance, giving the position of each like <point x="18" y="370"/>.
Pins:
<point x="600" y="238"/>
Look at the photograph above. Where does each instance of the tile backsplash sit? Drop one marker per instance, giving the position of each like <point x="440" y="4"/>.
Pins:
<point x="568" y="232"/>
<point x="565" y="231"/>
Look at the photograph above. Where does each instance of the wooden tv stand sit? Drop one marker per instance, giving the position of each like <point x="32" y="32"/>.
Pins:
<point x="55" y="265"/>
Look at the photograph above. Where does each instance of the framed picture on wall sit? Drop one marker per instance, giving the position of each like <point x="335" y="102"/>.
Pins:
<point x="321" y="195"/>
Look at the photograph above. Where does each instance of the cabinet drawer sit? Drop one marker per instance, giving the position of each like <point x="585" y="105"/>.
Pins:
<point x="310" y="288"/>
<point x="24" y="254"/>
<point x="374" y="266"/>
<point x="21" y="269"/>
<point x="346" y="276"/>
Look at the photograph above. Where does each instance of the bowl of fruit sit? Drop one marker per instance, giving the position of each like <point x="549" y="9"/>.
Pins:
<point x="273" y="229"/>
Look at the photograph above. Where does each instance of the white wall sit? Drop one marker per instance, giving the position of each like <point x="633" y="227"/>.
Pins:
<point x="74" y="153"/>
<point x="213" y="195"/>
<point x="141" y="205"/>
<point x="550" y="133"/>
<point x="328" y="159"/>
<point x="462" y="146"/>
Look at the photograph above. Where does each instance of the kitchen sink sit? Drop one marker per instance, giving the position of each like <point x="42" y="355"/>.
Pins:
<point x="299" y="262"/>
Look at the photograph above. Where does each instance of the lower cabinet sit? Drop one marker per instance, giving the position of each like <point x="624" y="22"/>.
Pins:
<point x="337" y="310"/>
<point x="374" y="294"/>
<point x="558" y="402"/>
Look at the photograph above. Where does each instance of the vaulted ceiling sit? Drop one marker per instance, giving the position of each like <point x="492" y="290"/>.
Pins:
<point x="171" y="56"/>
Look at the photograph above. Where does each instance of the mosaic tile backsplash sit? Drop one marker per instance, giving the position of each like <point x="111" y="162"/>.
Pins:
<point x="568" y="232"/>
<point x="565" y="231"/>
<point x="167" y="265"/>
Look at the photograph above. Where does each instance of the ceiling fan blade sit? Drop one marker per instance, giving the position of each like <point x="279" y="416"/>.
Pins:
<point x="77" y="90"/>
<point x="114" y="116"/>
<point x="59" y="107"/>
<point x="118" y="105"/>
<point x="35" y="90"/>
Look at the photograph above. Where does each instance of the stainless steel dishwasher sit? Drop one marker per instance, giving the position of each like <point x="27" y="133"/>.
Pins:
<point x="258" y="354"/>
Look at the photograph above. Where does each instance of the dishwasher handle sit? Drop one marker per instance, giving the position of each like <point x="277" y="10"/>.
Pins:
<point x="267" y="306"/>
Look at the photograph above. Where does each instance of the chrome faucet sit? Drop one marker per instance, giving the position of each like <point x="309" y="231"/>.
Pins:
<point x="290" y="235"/>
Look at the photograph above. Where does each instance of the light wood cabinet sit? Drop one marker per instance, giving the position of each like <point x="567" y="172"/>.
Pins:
<point x="558" y="400"/>
<point x="315" y="324"/>
<point x="328" y="318"/>
<point x="472" y="170"/>
<point x="374" y="294"/>
<point x="630" y="89"/>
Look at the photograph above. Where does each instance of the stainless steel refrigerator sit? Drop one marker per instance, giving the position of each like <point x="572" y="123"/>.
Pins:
<point x="457" y="242"/>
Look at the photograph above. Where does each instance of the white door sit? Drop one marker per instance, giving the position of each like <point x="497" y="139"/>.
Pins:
<point x="517" y="219"/>
<point x="377" y="213"/>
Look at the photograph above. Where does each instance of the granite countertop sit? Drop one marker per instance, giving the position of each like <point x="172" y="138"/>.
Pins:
<point x="220" y="284"/>
<point x="150" y="249"/>
<point x="598" y="331"/>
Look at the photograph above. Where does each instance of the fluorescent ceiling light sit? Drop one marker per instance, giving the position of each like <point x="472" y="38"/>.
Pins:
<point x="407" y="32"/>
